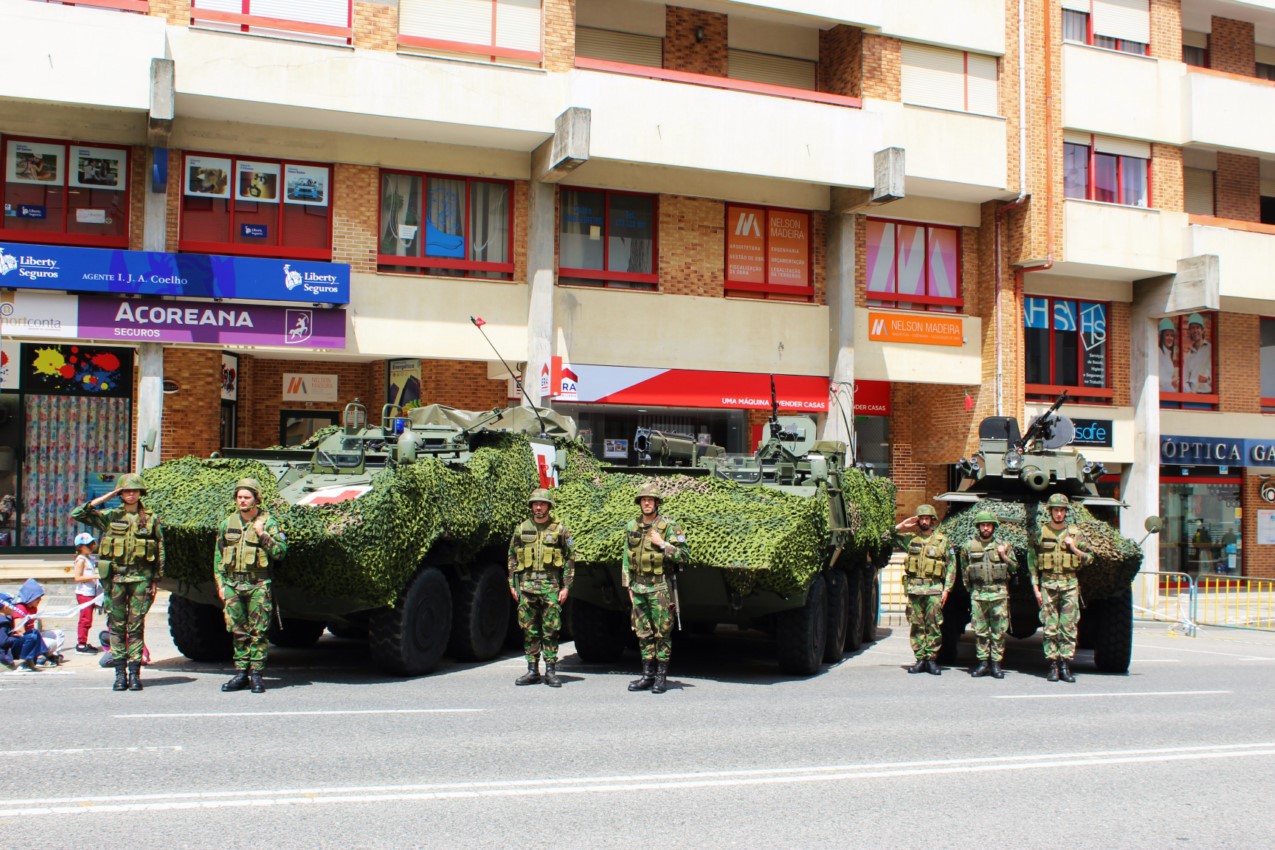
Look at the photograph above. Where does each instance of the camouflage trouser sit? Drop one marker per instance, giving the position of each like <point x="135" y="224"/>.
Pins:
<point x="990" y="618"/>
<point x="540" y="618"/>
<point x="1060" y="613"/>
<point x="653" y="623"/>
<point x="248" y="609"/>
<point x="126" y="606"/>
<point x="925" y="615"/>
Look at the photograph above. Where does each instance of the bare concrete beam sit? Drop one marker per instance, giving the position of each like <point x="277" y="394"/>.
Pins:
<point x="888" y="176"/>
<point x="1195" y="287"/>
<point x="567" y="150"/>
<point x="159" y="123"/>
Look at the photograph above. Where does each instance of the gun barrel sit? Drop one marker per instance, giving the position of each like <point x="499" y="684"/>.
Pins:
<point x="657" y="444"/>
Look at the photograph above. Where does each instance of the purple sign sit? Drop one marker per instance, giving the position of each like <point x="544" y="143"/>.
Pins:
<point x="211" y="323"/>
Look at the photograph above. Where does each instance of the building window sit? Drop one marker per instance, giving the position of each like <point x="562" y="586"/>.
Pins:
<point x="441" y="225"/>
<point x="1188" y="362"/>
<point x="1195" y="48"/>
<point x="1066" y="348"/>
<point x="914" y="266"/>
<point x="789" y="71"/>
<point x="1076" y="26"/>
<point x="1123" y="25"/>
<point x="65" y="193"/>
<point x="1202" y="533"/>
<point x="1263" y="71"/>
<point x="768" y="252"/>
<point x="256" y="207"/>
<point x="496" y="30"/>
<point x="1198" y="184"/>
<point x="324" y="21"/>
<point x="1268" y="365"/>
<point x="948" y="79"/>
<point x="1095" y="174"/>
<point x="607" y="239"/>
<point x="624" y="47"/>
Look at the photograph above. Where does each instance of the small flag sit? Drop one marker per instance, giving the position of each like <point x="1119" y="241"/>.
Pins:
<point x="477" y="320"/>
<point x="969" y="401"/>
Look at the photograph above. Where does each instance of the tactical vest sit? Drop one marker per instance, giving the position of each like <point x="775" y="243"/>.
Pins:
<point x="541" y="550"/>
<point x="985" y="564"/>
<point x="1052" y="557"/>
<point x="644" y="556"/>
<point x="242" y="556"/>
<point x="131" y="543"/>
<point x="927" y="557"/>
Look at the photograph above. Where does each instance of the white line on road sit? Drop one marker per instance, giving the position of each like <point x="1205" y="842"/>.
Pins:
<point x="1112" y="694"/>
<point x="83" y="750"/>
<point x="325" y="712"/>
<point x="1240" y="655"/>
<point x="549" y="786"/>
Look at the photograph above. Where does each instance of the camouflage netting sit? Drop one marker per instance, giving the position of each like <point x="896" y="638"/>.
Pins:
<point x="1116" y="558"/>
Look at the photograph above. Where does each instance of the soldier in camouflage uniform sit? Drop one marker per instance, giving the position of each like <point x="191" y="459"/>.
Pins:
<point x="1056" y="556"/>
<point x="248" y="541"/>
<point x="654" y="546"/>
<point x="541" y="569"/>
<point x="985" y="569"/>
<point x="131" y="561"/>
<point x="928" y="574"/>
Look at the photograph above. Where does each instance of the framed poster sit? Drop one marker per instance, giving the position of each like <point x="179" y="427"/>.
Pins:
<point x="82" y="370"/>
<point x="99" y="168"/>
<point x="257" y="181"/>
<point x="208" y="176"/>
<point x="32" y="162"/>
<point x="404" y="382"/>
<point x="229" y="377"/>
<point x="615" y="448"/>
<point x="306" y="184"/>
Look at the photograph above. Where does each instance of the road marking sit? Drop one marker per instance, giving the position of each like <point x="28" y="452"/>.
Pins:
<point x="1142" y="661"/>
<point x="325" y="712"/>
<point x="1112" y="694"/>
<point x="622" y="784"/>
<point x="1240" y="655"/>
<point x="90" y="750"/>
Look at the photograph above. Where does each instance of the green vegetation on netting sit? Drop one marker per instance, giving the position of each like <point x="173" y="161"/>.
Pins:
<point x="1116" y="558"/>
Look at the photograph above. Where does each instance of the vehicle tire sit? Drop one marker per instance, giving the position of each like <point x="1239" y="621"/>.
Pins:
<point x="199" y="631"/>
<point x="854" y="624"/>
<point x="409" y="639"/>
<point x="802" y="632"/>
<point x="871" y="604"/>
<point x="480" y="614"/>
<point x="349" y="631"/>
<point x="599" y="632"/>
<point x="1113" y="633"/>
<point x="839" y="618"/>
<point x="295" y="634"/>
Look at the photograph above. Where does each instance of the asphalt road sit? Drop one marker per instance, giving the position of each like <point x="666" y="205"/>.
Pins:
<point x="1181" y="752"/>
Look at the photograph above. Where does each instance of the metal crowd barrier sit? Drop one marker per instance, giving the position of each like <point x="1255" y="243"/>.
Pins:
<point x="1235" y="602"/>
<point x="1166" y="597"/>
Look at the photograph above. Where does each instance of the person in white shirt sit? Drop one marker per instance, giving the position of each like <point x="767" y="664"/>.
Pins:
<point x="1169" y="357"/>
<point x="1198" y="361"/>
<point x="87" y="587"/>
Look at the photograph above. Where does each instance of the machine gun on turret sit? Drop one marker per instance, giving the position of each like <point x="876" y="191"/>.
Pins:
<point x="1051" y="428"/>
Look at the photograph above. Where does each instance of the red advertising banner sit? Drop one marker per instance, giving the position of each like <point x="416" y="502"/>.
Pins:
<point x="788" y="254"/>
<point x="745" y="244"/>
<point x="871" y="398"/>
<point x="695" y="388"/>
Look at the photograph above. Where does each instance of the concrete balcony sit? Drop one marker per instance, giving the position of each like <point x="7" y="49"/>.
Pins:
<point x="956" y="156"/>
<point x="1246" y="253"/>
<point x="1116" y="242"/>
<point x="1119" y="94"/>
<point x="1229" y="111"/>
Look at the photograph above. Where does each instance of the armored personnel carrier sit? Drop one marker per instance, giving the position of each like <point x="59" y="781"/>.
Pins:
<point x="397" y="530"/>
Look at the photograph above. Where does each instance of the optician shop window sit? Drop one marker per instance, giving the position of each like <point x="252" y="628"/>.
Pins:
<point x="1188" y="361"/>
<point x="68" y="193"/>
<point x="1066" y="349"/>
<point x="607" y="239"/>
<point x="914" y="266"/>
<point x="1268" y="365"/>
<point x="443" y="225"/>
<point x="257" y="207"/>
<point x="1114" y="171"/>
<point x="768" y="253"/>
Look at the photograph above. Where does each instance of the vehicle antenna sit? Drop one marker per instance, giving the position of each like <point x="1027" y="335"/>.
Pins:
<point x="478" y="323"/>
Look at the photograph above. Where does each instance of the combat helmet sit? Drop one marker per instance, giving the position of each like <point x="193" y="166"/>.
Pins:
<point x="251" y="485"/>
<point x="132" y="481"/>
<point x="1058" y="500"/>
<point x="985" y="516"/>
<point x="540" y="494"/>
<point x="648" y="489"/>
<point x="926" y="510"/>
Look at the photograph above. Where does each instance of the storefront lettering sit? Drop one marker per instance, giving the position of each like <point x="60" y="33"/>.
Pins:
<point x="148" y="315"/>
<point x="1200" y="450"/>
<point x="1262" y="453"/>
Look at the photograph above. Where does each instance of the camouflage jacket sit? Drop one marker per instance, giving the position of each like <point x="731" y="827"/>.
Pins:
<point x="984" y="572"/>
<point x="914" y="545"/>
<point x="1060" y="563"/>
<point x="644" y="565"/>
<point x="120" y="527"/>
<point x="541" y="557"/>
<point x="240" y="556"/>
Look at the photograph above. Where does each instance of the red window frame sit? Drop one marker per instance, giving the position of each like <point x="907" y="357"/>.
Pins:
<point x="282" y="250"/>
<point x="768" y="289"/>
<point x="142" y="6"/>
<point x="1117" y="44"/>
<point x="929" y="303"/>
<point x="61" y="236"/>
<point x="1190" y="400"/>
<point x="1091" y="177"/>
<point x="247" y="20"/>
<point x="465" y="267"/>
<point x="490" y="49"/>
<point x="1080" y="392"/>
<point x="602" y="275"/>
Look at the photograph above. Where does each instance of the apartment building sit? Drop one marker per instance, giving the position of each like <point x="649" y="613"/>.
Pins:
<point x="911" y="214"/>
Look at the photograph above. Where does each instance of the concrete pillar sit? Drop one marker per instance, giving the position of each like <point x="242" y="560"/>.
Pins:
<point x="540" y="286"/>
<point x="1140" y="480"/>
<point x="839" y="424"/>
<point x="150" y="401"/>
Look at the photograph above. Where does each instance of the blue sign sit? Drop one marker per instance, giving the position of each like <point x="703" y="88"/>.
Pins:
<point x="29" y="211"/>
<point x="1092" y="432"/>
<point x="253" y="231"/>
<point x="1216" y="451"/>
<point x="158" y="273"/>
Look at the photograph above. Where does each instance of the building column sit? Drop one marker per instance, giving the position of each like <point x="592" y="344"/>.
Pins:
<point x="1140" y="480"/>
<point x="839" y="424"/>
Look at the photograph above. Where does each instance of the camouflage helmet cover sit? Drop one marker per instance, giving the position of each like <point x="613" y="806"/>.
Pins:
<point x="985" y="516"/>
<point x="132" y="481"/>
<point x="648" y="489"/>
<point x="926" y="510"/>
<point x="1058" y="500"/>
<point x="251" y="485"/>
<point x="540" y="494"/>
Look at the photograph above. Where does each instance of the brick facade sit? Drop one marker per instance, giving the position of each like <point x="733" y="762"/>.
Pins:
<point x="1168" y="191"/>
<point x="1238" y="384"/>
<point x="1259" y="560"/>
<point x="1237" y="187"/>
<point x="191" y="422"/>
<point x="559" y="35"/>
<point x="882" y="74"/>
<point x="461" y="383"/>
<point x="1166" y="29"/>
<point x="375" y="25"/>
<point x="261" y="393"/>
<point x="840" y="68"/>
<point x="684" y="51"/>
<point x="1231" y="47"/>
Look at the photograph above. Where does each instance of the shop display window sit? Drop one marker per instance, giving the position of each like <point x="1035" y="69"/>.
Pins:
<point x="1268" y="365"/>
<point x="768" y="252"/>
<point x="914" y="266"/>
<point x="65" y="193"/>
<point x="607" y="239"/>
<point x="1202" y="532"/>
<point x="1188" y="362"/>
<point x="442" y="225"/>
<point x="255" y="207"/>
<point x="1066" y="349"/>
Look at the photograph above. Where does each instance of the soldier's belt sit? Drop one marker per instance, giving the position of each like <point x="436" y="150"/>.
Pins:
<point x="248" y="576"/>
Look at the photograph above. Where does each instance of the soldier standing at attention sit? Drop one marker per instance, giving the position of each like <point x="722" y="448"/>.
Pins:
<point x="541" y="569"/>
<point x="985" y="568"/>
<point x="131" y="561"/>
<point x="929" y="571"/>
<point x="247" y="542"/>
<point x="654" y="546"/>
<point x="1059" y="552"/>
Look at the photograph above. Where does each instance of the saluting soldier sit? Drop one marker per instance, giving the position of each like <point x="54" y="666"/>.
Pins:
<point x="1059" y="552"/>
<point x="654" y="547"/>
<point x="541" y="569"/>
<point x="131" y="561"/>
<point x="929" y="570"/>
<point x="986" y="566"/>
<point x="248" y="542"/>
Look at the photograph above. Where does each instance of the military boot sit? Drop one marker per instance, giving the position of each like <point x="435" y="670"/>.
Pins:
<point x="1064" y="671"/>
<point x="121" y="678"/>
<point x="995" y="669"/>
<point x="932" y="667"/>
<point x="648" y="676"/>
<point x="237" y="683"/>
<point x="134" y="675"/>
<point x="258" y="686"/>
<point x="1053" y="672"/>
<point x="532" y="676"/>
<point x="981" y="669"/>
<point x="660" y="685"/>
<point x="551" y="674"/>
<point x="919" y="667"/>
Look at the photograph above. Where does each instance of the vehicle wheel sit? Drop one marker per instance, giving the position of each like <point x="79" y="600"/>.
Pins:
<point x="1113" y="633"/>
<point x="801" y="633"/>
<point x="480" y="615"/>
<point x="296" y="634"/>
<point x="871" y="604"/>
<point x="854" y="624"/>
<point x="199" y="631"/>
<point x="349" y="631"/>
<point x="839" y="618"/>
<point x="599" y="633"/>
<point x="409" y="639"/>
